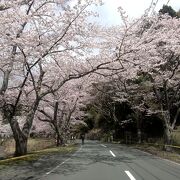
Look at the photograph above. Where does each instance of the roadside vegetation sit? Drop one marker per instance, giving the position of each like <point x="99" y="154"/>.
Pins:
<point x="176" y="136"/>
<point x="34" y="144"/>
<point x="156" y="150"/>
<point x="34" y="154"/>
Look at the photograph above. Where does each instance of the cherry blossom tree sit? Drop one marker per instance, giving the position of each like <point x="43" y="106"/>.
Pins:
<point x="147" y="50"/>
<point x="153" y="58"/>
<point x="159" y="57"/>
<point x="63" y="110"/>
<point x="45" y="44"/>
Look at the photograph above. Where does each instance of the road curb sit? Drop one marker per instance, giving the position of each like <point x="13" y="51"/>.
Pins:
<point x="33" y="154"/>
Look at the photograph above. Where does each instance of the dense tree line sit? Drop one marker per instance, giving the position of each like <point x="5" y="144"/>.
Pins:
<point x="149" y="84"/>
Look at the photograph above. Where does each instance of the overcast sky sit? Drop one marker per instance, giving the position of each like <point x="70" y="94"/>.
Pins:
<point x="134" y="8"/>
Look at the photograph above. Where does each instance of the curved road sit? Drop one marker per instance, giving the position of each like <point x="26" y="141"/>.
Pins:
<point x="96" y="161"/>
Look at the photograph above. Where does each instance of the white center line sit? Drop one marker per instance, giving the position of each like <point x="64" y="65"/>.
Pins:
<point x="112" y="153"/>
<point x="130" y="175"/>
<point x="103" y="145"/>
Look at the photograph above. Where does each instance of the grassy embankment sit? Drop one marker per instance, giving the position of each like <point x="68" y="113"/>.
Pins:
<point x="157" y="148"/>
<point x="36" y="149"/>
<point x="33" y="145"/>
<point x="176" y="136"/>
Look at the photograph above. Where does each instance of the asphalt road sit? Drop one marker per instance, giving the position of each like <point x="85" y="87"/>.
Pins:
<point x="96" y="161"/>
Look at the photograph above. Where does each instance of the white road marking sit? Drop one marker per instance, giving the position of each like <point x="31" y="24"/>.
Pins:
<point x="57" y="166"/>
<point x="112" y="153"/>
<point x="130" y="175"/>
<point x="103" y="145"/>
<point x="62" y="162"/>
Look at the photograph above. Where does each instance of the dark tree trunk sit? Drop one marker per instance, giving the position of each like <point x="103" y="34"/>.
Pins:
<point x="139" y="135"/>
<point x="59" y="140"/>
<point x="167" y="131"/>
<point x="139" y="118"/>
<point x="5" y="82"/>
<point x="167" y="139"/>
<point x="21" y="136"/>
<point x="167" y="134"/>
<point x="21" y="145"/>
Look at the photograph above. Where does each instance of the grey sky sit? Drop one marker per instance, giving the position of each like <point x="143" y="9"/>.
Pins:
<point x="134" y="8"/>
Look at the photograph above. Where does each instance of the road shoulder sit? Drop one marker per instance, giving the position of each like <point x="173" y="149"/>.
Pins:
<point x="33" y="166"/>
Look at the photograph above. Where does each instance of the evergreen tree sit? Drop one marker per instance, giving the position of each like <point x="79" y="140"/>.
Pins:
<point x="169" y="10"/>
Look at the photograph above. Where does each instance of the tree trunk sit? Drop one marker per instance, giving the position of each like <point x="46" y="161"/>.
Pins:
<point x="139" y="117"/>
<point x="167" y="131"/>
<point x="167" y="134"/>
<point x="139" y="135"/>
<point x="59" y="140"/>
<point x="5" y="82"/>
<point x="21" y="145"/>
<point x="167" y="139"/>
<point x="21" y="136"/>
